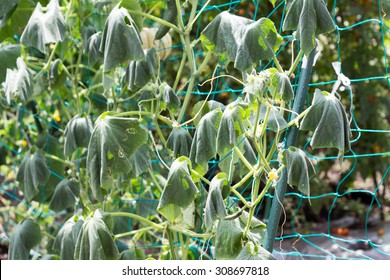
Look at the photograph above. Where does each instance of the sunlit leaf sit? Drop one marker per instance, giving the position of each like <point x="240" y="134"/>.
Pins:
<point x="209" y="106"/>
<point x="228" y="242"/>
<point x="204" y="144"/>
<point x="275" y="122"/>
<point x="65" y="195"/>
<point x="120" y="40"/>
<point x="25" y="236"/>
<point x="170" y="15"/>
<point x="299" y="169"/>
<point x="281" y="87"/>
<point x="329" y="123"/>
<point x="19" y="82"/>
<point x="77" y="134"/>
<point x="140" y="161"/>
<point x="66" y="238"/>
<point x="253" y="251"/>
<point x="112" y="143"/>
<point x="8" y="55"/>
<point x="169" y="98"/>
<point x="133" y="5"/>
<point x="215" y="208"/>
<point x="33" y="173"/>
<point x="44" y="28"/>
<point x="309" y="18"/>
<point x="95" y="241"/>
<point x="179" y="141"/>
<point x="179" y="192"/>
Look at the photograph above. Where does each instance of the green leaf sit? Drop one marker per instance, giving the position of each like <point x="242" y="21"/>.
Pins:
<point x="329" y="123"/>
<point x="133" y="5"/>
<point x="121" y="41"/>
<point x="65" y="195"/>
<point x="8" y="55"/>
<point x="44" y="28"/>
<point x="228" y="242"/>
<point x="132" y="254"/>
<point x="260" y="41"/>
<point x="77" y="134"/>
<point x="281" y="87"/>
<point x="309" y="18"/>
<point x="204" y="146"/>
<point x="223" y="35"/>
<point x="231" y="127"/>
<point x="25" y="236"/>
<point x="33" y="173"/>
<point x="253" y="251"/>
<point x="139" y="73"/>
<point x="179" y="192"/>
<point x="209" y="106"/>
<point x="92" y="49"/>
<point x="170" y="15"/>
<point x="170" y="100"/>
<point x="18" y="82"/>
<point x="179" y="141"/>
<point x="276" y="122"/>
<point x="66" y="238"/>
<point x="57" y="75"/>
<point x="215" y="208"/>
<point x="112" y="142"/>
<point x="299" y="169"/>
<point x="6" y="10"/>
<point x="257" y="229"/>
<point x="140" y="161"/>
<point x="95" y="241"/>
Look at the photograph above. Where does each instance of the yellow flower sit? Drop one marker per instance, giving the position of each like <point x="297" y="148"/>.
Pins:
<point x="24" y="143"/>
<point x="56" y="116"/>
<point x="11" y="176"/>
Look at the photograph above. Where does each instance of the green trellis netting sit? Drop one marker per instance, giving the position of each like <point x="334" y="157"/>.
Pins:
<point x="345" y="216"/>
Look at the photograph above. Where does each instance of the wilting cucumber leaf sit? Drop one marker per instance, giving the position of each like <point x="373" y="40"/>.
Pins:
<point x="65" y="195"/>
<point x="228" y="242"/>
<point x="223" y="35"/>
<point x="25" y="236"/>
<point x="204" y="146"/>
<point x="260" y="41"/>
<point x="169" y="99"/>
<point x="121" y="41"/>
<point x="77" y="133"/>
<point x="170" y="15"/>
<point x="231" y="128"/>
<point x="179" y="141"/>
<point x="18" y="82"/>
<point x="113" y="141"/>
<point x="92" y="49"/>
<point x="215" y="208"/>
<point x="57" y="75"/>
<point x="33" y="173"/>
<point x="281" y="87"/>
<point x="66" y="238"/>
<point x="253" y="251"/>
<point x="309" y="18"/>
<point x="6" y="10"/>
<point x="179" y="192"/>
<point x="132" y="254"/>
<point x="134" y="5"/>
<point x="44" y="28"/>
<point x="299" y="169"/>
<point x="329" y="123"/>
<point x="140" y="161"/>
<point x="257" y="229"/>
<point x="275" y="120"/>
<point x="209" y="106"/>
<point x="8" y="55"/>
<point x="95" y="241"/>
<point x="139" y="73"/>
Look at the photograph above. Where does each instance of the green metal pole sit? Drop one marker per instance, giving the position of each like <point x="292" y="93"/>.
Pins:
<point x="292" y="135"/>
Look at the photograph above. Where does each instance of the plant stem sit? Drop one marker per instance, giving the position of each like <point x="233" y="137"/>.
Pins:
<point x="239" y="196"/>
<point x="156" y="19"/>
<point x="171" y="244"/>
<point x="67" y="162"/>
<point x="133" y="232"/>
<point x="155" y="180"/>
<point x="244" y="179"/>
<point x="179" y="71"/>
<point x="144" y="113"/>
<point x="242" y="157"/>
<point x="139" y="218"/>
<point x="277" y="64"/>
<point x="295" y="63"/>
<point x="189" y="232"/>
<point x="48" y="235"/>
<point x="200" y="176"/>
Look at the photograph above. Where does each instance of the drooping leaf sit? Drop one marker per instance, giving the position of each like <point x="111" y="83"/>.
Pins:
<point x="223" y="35"/>
<point x="113" y="141"/>
<point x="257" y="229"/>
<point x="18" y="82"/>
<point x="25" y="236"/>
<point x="139" y="73"/>
<point x="33" y="173"/>
<point x="228" y="243"/>
<point x="92" y="49"/>
<point x="77" y="133"/>
<point x="8" y="55"/>
<point x="132" y="254"/>
<point x="215" y="208"/>
<point x="57" y="74"/>
<point x="209" y="106"/>
<point x="169" y="99"/>
<point x="66" y="238"/>
<point x="44" y="28"/>
<point x="329" y="123"/>
<point x="170" y="15"/>
<point x="140" y="161"/>
<point x="6" y="10"/>
<point x="275" y="122"/>
<point x="281" y="87"/>
<point x="309" y="18"/>
<point x="65" y="195"/>
<point x="179" y="192"/>
<point x="260" y="41"/>
<point x="253" y="251"/>
<point x="204" y="144"/>
<point x="299" y="169"/>
<point x="120" y="40"/>
<point x="133" y="5"/>
<point x="147" y="98"/>
<point x="179" y="141"/>
<point x="95" y="241"/>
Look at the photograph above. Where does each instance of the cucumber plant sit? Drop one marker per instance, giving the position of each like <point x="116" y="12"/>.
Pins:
<point x="93" y="65"/>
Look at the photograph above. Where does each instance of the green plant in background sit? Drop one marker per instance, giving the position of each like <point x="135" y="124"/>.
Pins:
<point x="90" y="71"/>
